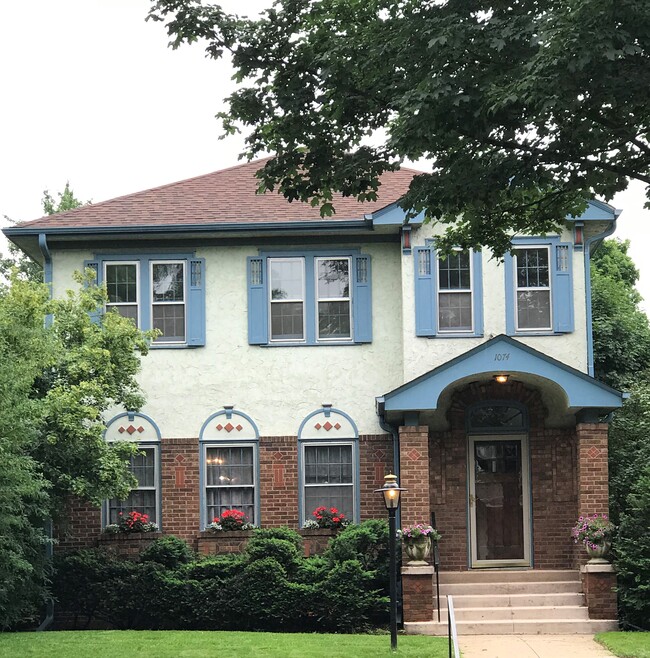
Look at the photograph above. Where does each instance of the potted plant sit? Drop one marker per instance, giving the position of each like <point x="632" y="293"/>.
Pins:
<point x="417" y="542"/>
<point x="130" y="523"/>
<point x="326" y="517"/>
<point x="595" y="532"/>
<point x="229" y="521"/>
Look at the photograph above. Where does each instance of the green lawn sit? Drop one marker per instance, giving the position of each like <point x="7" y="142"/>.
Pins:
<point x="200" y="644"/>
<point x="626" y="645"/>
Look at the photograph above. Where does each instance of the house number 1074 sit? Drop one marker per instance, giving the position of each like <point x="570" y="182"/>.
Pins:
<point x="502" y="357"/>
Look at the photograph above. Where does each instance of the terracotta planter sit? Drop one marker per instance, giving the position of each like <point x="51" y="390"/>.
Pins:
<point x="417" y="551"/>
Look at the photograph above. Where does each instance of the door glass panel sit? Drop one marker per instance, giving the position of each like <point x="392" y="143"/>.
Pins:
<point x="498" y="500"/>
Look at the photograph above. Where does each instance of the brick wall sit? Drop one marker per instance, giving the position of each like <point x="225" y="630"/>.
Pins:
<point x="180" y="488"/>
<point x="414" y="474"/>
<point x="598" y="584"/>
<point x="278" y="458"/>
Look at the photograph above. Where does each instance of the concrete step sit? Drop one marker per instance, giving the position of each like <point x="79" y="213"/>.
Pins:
<point x="508" y="575"/>
<point x="546" y="612"/>
<point x="515" y="600"/>
<point x="515" y="627"/>
<point x="544" y="587"/>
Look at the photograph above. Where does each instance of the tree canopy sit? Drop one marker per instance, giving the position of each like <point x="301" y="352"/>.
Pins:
<point x="59" y="373"/>
<point x="523" y="109"/>
<point x="26" y="267"/>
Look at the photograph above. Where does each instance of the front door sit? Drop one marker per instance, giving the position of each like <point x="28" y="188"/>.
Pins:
<point x="499" y="501"/>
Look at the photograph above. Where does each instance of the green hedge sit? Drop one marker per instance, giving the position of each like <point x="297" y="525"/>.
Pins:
<point x="270" y="586"/>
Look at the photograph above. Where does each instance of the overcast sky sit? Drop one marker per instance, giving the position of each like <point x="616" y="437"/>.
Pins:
<point x="91" y="94"/>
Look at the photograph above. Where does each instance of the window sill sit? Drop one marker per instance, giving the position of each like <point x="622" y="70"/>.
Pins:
<point x="332" y="344"/>
<point x="443" y="336"/>
<point x="173" y="346"/>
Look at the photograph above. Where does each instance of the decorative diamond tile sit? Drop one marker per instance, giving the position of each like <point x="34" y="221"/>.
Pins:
<point x="179" y="458"/>
<point x="277" y="456"/>
<point x="140" y="429"/>
<point x="337" y="426"/>
<point x="219" y="427"/>
<point x="131" y="430"/>
<point x="229" y="427"/>
<point x="121" y="430"/>
<point x="414" y="455"/>
<point x="593" y="452"/>
<point x="317" y="426"/>
<point x="328" y="426"/>
<point x="379" y="455"/>
<point x="239" y="428"/>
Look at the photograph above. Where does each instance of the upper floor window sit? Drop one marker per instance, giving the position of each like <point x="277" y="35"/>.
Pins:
<point x="539" y="287"/>
<point x="157" y="292"/>
<point x="309" y="298"/>
<point x="533" y="288"/>
<point x="448" y="293"/>
<point x="455" y="292"/>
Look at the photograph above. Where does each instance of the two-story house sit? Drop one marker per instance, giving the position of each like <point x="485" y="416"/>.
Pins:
<point x="300" y="359"/>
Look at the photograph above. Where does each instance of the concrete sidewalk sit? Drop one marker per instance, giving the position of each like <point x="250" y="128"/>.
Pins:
<point x="531" y="646"/>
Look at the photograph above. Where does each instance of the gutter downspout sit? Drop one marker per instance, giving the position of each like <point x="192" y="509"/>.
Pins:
<point x="387" y="427"/>
<point x="588" y="244"/>
<point x="47" y="259"/>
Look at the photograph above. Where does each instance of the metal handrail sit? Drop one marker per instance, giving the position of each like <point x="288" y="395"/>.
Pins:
<point x="451" y="628"/>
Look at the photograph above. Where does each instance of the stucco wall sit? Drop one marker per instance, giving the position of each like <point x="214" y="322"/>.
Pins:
<point x="424" y="354"/>
<point x="276" y="386"/>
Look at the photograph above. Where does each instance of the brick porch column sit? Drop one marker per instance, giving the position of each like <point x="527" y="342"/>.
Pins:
<point x="417" y="593"/>
<point x="598" y="584"/>
<point x="414" y="474"/>
<point x="593" y="488"/>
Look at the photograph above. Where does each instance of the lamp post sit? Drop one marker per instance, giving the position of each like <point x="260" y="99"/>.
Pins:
<point x="391" y="492"/>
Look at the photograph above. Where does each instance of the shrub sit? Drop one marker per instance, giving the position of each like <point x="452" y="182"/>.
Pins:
<point x="280" y="533"/>
<point x="367" y="543"/>
<point x="281" y="550"/>
<point x="632" y="557"/>
<point x="169" y="551"/>
<point x="214" y="567"/>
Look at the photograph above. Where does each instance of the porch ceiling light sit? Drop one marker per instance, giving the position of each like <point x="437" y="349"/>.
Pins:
<point x="391" y="492"/>
<point x="501" y="378"/>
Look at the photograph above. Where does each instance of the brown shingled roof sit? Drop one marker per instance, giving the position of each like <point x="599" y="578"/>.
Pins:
<point x="225" y="196"/>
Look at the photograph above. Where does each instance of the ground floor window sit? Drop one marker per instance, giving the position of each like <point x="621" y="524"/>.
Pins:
<point x="230" y="474"/>
<point x="329" y="478"/>
<point x="145" y="497"/>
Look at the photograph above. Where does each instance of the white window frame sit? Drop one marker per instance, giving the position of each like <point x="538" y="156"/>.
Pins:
<point x="306" y="513"/>
<point x="161" y="340"/>
<point x="303" y="300"/>
<point x="155" y="488"/>
<point x="517" y="289"/>
<point x="348" y="299"/>
<point x="137" y="304"/>
<point x="469" y="290"/>
<point x="204" y="484"/>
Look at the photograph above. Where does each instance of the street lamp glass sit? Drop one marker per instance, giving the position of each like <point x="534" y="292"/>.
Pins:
<point x="391" y="492"/>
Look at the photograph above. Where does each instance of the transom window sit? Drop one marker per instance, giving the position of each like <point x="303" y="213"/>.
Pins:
<point x="328" y="478"/>
<point x="496" y="417"/>
<point x="144" y="497"/>
<point x="455" y="292"/>
<point x="230" y="474"/>
<point x="533" y="288"/>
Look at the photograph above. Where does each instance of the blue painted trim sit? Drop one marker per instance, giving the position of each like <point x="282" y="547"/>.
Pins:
<point x="232" y="412"/>
<point x="217" y="443"/>
<point x="258" y="299"/>
<point x="589" y="242"/>
<point x="582" y="391"/>
<point x="477" y="292"/>
<point x="597" y="211"/>
<point x="322" y="411"/>
<point x="230" y="227"/>
<point x="131" y="417"/>
<point x="194" y="296"/>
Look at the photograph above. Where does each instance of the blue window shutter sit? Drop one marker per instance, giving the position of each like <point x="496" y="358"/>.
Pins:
<point x="509" y="265"/>
<point x="362" y="299"/>
<point x="258" y="324"/>
<point x="562" y="287"/>
<point x="425" y="292"/>
<point x="196" y="303"/>
<point x="94" y="265"/>
<point x="477" y="266"/>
